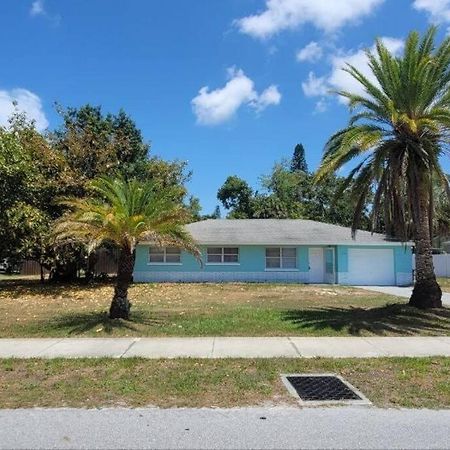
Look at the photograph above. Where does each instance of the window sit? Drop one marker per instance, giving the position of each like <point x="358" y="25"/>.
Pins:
<point x="281" y="258"/>
<point x="222" y="255"/>
<point x="160" y="255"/>
<point x="329" y="261"/>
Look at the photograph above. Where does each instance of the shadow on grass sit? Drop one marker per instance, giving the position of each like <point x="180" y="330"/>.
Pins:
<point x="398" y="319"/>
<point x="80" y="323"/>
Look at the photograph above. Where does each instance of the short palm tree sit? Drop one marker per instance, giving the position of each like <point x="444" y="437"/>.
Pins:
<point x="399" y="129"/>
<point x="124" y="213"/>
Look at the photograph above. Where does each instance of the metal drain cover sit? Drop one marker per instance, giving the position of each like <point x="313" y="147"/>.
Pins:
<point x="319" y="389"/>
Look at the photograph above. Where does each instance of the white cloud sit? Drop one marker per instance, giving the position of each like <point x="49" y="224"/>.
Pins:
<point x="321" y="106"/>
<point x="438" y="10"/>
<point x="270" y="96"/>
<point x="338" y="79"/>
<point x="27" y="102"/>
<point x="311" y="53"/>
<point x="341" y="80"/>
<point x="37" y="8"/>
<point x="219" y="105"/>
<point x="315" y="86"/>
<point x="326" y="15"/>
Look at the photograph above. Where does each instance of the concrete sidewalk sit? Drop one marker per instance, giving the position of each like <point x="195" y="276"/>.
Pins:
<point x="400" y="291"/>
<point x="226" y="347"/>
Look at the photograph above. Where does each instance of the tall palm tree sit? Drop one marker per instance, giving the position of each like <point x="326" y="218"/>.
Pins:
<point x="399" y="129"/>
<point x="124" y="213"/>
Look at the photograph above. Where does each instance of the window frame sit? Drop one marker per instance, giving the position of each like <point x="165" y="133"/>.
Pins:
<point x="280" y="257"/>
<point x="222" y="255"/>
<point x="163" y="252"/>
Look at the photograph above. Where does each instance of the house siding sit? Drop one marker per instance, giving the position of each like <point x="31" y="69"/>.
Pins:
<point x="251" y="266"/>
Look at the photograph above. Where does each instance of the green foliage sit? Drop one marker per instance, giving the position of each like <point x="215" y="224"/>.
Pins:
<point x="194" y="208"/>
<point x="290" y="194"/>
<point x="441" y="208"/>
<point x="268" y="207"/>
<point x="165" y="174"/>
<point x="16" y="171"/>
<point x="288" y="187"/>
<point x="94" y="144"/>
<point x="36" y="170"/>
<point x="298" y="162"/>
<point x="123" y="213"/>
<point x="397" y="134"/>
<point x="216" y="214"/>
<point x="236" y="194"/>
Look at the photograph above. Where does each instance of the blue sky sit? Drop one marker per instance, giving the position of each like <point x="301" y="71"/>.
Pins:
<point x="230" y="86"/>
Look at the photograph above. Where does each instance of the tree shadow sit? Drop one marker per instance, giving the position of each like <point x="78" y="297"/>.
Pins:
<point x="392" y="319"/>
<point x="80" y="323"/>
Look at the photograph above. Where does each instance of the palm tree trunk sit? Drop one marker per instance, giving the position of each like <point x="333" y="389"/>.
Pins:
<point x="120" y="306"/>
<point x="426" y="293"/>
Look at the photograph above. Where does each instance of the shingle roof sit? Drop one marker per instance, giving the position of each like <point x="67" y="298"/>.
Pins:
<point x="277" y="232"/>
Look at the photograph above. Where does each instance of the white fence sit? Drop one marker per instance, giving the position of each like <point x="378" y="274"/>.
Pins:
<point x="441" y="265"/>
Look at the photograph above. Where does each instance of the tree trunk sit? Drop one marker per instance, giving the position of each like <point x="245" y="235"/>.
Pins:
<point x="120" y="306"/>
<point x="426" y="292"/>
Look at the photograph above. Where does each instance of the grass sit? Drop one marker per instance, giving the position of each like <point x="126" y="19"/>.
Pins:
<point x="18" y="277"/>
<point x="29" y="309"/>
<point x="388" y="382"/>
<point x="445" y="284"/>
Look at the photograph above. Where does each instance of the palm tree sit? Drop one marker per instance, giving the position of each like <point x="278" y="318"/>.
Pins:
<point x="124" y="213"/>
<point x="399" y="129"/>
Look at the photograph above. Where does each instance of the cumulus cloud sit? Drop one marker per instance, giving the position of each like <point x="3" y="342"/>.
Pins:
<point x="312" y="52"/>
<point x="325" y="15"/>
<point x="338" y="79"/>
<point x="321" y="106"/>
<point x="22" y="100"/>
<point x="37" y="8"/>
<point x="438" y="10"/>
<point x="212" y="107"/>
<point x="341" y="80"/>
<point x="270" y="96"/>
<point x="315" y="86"/>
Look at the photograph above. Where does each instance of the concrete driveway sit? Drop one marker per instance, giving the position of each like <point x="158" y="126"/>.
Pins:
<point x="404" y="292"/>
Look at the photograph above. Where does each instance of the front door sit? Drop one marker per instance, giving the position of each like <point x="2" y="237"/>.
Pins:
<point x="316" y="265"/>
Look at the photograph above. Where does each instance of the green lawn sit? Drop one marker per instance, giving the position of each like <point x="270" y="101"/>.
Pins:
<point x="445" y="284"/>
<point x="31" y="309"/>
<point x="387" y="382"/>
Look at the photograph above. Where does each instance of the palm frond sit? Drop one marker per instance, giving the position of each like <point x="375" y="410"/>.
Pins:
<point x="125" y="213"/>
<point x="399" y="129"/>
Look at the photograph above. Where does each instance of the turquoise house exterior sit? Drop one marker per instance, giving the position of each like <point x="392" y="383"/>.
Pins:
<point x="270" y="250"/>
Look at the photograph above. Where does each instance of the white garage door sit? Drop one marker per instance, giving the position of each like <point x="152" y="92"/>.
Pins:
<point x="371" y="267"/>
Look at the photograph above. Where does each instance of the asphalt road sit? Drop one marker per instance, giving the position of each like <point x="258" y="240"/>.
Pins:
<point x="265" y="428"/>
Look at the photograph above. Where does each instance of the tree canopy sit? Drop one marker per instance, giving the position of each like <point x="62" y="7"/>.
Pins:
<point x="397" y="133"/>
<point x="123" y="213"/>
<point x="289" y="192"/>
<point x="36" y="170"/>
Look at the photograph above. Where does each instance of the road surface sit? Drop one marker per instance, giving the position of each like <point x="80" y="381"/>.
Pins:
<point x="243" y="428"/>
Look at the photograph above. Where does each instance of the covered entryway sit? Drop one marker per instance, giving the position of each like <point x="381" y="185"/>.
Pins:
<point x="371" y="266"/>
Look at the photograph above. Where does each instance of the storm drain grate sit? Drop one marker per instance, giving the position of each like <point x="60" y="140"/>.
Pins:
<point x="323" y="388"/>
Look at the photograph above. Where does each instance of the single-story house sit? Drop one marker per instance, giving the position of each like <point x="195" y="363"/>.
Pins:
<point x="271" y="250"/>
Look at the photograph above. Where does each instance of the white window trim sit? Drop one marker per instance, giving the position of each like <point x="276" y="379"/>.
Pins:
<point x="163" y="263"/>
<point x="222" y="255"/>
<point x="281" y="269"/>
